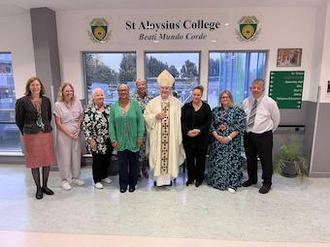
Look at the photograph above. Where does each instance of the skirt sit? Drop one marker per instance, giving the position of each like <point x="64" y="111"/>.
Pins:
<point x="39" y="150"/>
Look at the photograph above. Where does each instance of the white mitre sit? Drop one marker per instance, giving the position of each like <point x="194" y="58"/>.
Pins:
<point x="165" y="79"/>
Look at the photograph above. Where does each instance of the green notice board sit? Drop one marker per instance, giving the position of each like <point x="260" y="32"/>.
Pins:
<point x="286" y="88"/>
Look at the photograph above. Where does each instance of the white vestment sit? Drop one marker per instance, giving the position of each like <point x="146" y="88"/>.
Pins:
<point x="176" y="155"/>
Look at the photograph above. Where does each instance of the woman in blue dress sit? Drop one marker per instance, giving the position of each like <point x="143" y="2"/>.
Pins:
<point x="227" y="128"/>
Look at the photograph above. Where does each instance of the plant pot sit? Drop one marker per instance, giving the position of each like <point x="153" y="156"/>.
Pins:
<point x="289" y="169"/>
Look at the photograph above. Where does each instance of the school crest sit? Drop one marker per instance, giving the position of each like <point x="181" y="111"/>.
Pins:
<point x="248" y="28"/>
<point x="99" y="32"/>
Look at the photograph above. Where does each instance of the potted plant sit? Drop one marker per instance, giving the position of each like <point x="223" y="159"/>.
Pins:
<point x="291" y="162"/>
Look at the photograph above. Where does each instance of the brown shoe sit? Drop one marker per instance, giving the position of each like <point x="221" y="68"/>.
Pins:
<point x="264" y="189"/>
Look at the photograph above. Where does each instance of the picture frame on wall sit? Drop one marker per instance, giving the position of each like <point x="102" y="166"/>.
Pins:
<point x="289" y="57"/>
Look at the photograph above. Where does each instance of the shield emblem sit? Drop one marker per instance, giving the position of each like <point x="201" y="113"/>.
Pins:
<point x="248" y="30"/>
<point x="99" y="30"/>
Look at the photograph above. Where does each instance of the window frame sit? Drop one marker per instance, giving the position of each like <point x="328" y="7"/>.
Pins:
<point x="238" y="51"/>
<point x="199" y="52"/>
<point x="83" y="53"/>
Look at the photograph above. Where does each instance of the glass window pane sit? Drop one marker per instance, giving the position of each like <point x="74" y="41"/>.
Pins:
<point x="184" y="67"/>
<point x="9" y="134"/>
<point x="10" y="138"/>
<point x="234" y="71"/>
<point x="107" y="70"/>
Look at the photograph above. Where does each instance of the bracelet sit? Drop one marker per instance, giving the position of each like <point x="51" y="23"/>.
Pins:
<point x="229" y="137"/>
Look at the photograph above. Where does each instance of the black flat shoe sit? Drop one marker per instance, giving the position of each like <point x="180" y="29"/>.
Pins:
<point x="123" y="190"/>
<point x="189" y="182"/>
<point x="131" y="189"/>
<point x="248" y="183"/>
<point x="39" y="194"/>
<point x="197" y="184"/>
<point x="47" y="191"/>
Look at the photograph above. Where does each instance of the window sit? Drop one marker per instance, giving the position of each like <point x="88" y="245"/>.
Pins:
<point x="184" y="67"/>
<point x="107" y="71"/>
<point x="9" y="133"/>
<point x="234" y="71"/>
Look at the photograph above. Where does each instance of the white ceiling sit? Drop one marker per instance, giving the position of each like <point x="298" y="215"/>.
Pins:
<point x="12" y="7"/>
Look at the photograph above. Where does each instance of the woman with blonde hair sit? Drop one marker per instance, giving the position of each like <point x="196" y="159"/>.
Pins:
<point x="33" y="118"/>
<point x="68" y="116"/>
<point x="227" y="128"/>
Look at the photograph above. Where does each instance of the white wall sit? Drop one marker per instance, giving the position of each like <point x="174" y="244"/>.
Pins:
<point x="281" y="28"/>
<point x="325" y="66"/>
<point x="16" y="37"/>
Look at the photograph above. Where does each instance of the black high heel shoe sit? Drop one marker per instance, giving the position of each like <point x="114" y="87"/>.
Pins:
<point x="39" y="194"/>
<point x="47" y="191"/>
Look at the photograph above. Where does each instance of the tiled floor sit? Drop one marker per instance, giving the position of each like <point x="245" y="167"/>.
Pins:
<point x="296" y="211"/>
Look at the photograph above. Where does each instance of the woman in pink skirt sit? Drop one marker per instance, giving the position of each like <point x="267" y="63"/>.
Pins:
<point x="33" y="117"/>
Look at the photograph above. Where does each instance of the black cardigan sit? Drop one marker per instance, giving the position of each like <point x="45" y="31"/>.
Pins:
<point x="26" y="115"/>
<point x="201" y="120"/>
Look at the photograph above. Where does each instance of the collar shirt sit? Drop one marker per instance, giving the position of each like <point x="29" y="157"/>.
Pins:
<point x="267" y="115"/>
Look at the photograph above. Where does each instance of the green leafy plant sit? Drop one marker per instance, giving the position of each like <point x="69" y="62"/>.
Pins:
<point x="290" y="155"/>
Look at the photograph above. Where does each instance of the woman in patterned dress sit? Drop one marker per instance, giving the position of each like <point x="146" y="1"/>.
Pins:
<point x="96" y="131"/>
<point x="227" y="128"/>
<point x="143" y="98"/>
<point x="33" y="118"/>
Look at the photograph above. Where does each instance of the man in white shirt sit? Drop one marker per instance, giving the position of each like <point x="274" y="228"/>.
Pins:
<point x="263" y="117"/>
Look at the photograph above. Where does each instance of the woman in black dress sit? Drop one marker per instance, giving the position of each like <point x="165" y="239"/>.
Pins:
<point x="195" y="121"/>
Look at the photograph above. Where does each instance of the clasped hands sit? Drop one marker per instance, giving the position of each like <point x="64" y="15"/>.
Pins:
<point x="223" y="139"/>
<point x="193" y="133"/>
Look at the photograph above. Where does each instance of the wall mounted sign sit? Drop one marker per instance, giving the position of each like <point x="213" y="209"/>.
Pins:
<point x="289" y="57"/>
<point x="248" y="28"/>
<point x="99" y="32"/>
<point x="286" y="88"/>
<point x="174" y="28"/>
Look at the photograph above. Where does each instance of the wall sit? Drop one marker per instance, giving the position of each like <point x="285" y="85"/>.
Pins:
<point x="281" y="28"/>
<point x="16" y="37"/>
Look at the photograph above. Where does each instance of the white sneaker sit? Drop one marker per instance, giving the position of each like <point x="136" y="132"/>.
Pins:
<point x="231" y="190"/>
<point x="78" y="181"/>
<point x="107" y="180"/>
<point x="98" y="186"/>
<point x="66" y="185"/>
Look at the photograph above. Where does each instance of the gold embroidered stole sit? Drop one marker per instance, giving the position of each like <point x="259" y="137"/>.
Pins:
<point x="165" y="138"/>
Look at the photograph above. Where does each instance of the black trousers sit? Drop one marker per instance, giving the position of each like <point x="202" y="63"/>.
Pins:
<point x="101" y="163"/>
<point x="259" y="145"/>
<point x="195" y="159"/>
<point x="100" y="167"/>
<point x="128" y="168"/>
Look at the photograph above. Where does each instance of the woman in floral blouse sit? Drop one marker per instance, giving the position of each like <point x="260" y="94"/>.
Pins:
<point x="227" y="128"/>
<point x="96" y="131"/>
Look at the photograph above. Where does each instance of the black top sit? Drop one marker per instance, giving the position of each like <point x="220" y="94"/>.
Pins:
<point x="27" y="115"/>
<point x="191" y="119"/>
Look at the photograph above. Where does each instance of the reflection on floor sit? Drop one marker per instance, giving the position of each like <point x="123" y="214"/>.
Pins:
<point x="295" y="211"/>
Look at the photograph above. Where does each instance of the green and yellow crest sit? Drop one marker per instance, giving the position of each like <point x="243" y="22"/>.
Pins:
<point x="248" y="28"/>
<point x="99" y="30"/>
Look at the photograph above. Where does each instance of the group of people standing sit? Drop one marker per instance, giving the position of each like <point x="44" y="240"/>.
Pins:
<point x="158" y="132"/>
